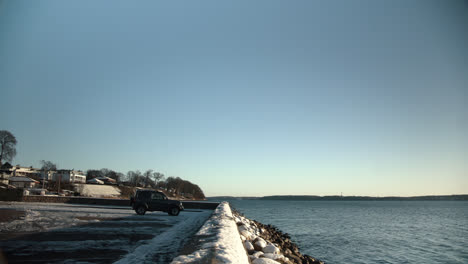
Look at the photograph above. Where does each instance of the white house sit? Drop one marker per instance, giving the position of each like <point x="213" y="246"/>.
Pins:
<point x="69" y="176"/>
<point x="48" y="175"/>
<point x="22" y="182"/>
<point x="25" y="171"/>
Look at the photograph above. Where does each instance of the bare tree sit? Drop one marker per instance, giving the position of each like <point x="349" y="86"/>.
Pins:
<point x="148" y="174"/>
<point x="48" y="165"/>
<point x="91" y="174"/>
<point x="179" y="186"/>
<point x="135" y="178"/>
<point x="105" y="172"/>
<point x="115" y="175"/>
<point x="157" y="177"/>
<point x="7" y="145"/>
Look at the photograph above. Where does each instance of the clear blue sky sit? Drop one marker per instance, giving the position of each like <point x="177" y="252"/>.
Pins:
<point x="244" y="97"/>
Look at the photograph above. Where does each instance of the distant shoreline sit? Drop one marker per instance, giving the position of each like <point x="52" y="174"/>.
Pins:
<point x="463" y="197"/>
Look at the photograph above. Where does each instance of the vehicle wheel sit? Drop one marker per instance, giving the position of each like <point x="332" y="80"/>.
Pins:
<point x="141" y="210"/>
<point x="174" y="211"/>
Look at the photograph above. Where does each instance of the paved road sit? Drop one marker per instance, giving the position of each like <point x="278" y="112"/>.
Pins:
<point x="61" y="233"/>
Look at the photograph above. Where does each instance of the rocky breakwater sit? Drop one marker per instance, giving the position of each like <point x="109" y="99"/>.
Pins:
<point x="266" y="244"/>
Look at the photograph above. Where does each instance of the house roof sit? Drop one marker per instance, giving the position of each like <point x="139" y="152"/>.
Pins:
<point x="95" y="180"/>
<point x="105" y="178"/>
<point x="21" y="179"/>
<point x="69" y="171"/>
<point x="24" y="168"/>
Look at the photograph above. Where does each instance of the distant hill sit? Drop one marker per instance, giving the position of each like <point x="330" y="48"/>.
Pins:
<point x="366" y="198"/>
<point x="463" y="197"/>
<point x="219" y="198"/>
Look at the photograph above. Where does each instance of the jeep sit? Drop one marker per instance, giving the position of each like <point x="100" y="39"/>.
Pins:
<point x="149" y="200"/>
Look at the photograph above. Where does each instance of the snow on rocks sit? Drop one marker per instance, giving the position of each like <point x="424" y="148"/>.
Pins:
<point x="246" y="234"/>
<point x="249" y="247"/>
<point x="265" y="244"/>
<point x="265" y="261"/>
<point x="256" y="255"/>
<point x="228" y="237"/>
<point x="274" y="256"/>
<point x="270" y="248"/>
<point x="259" y="243"/>
<point x="259" y="250"/>
<point x="224" y="247"/>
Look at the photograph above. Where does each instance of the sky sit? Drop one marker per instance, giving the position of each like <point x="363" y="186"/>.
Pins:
<point x="243" y="98"/>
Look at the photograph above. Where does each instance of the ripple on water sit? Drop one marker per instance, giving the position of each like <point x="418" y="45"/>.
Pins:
<point x="370" y="231"/>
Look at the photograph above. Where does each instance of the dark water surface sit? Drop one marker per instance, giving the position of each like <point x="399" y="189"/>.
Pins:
<point x="369" y="231"/>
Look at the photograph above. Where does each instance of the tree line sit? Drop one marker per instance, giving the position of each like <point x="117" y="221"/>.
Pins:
<point x="7" y="146"/>
<point x="151" y="179"/>
<point x="148" y="178"/>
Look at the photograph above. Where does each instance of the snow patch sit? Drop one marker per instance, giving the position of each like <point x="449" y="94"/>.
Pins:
<point x="227" y="245"/>
<point x="166" y="241"/>
<point x="259" y="250"/>
<point x="97" y="191"/>
<point x="264" y="261"/>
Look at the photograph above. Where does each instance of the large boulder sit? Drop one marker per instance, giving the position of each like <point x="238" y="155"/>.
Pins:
<point x="273" y="256"/>
<point x="243" y="227"/>
<point x="270" y="248"/>
<point x="255" y="255"/>
<point x="258" y="254"/>
<point x="264" y="261"/>
<point x="249" y="247"/>
<point x="296" y="258"/>
<point x="259" y="244"/>
<point x="246" y="234"/>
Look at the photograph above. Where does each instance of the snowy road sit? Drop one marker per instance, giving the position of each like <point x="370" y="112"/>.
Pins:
<point x="63" y="233"/>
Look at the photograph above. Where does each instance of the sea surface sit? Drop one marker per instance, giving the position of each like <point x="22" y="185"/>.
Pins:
<point x="369" y="231"/>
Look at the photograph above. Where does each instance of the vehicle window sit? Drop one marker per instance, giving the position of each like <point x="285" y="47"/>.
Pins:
<point x="143" y="195"/>
<point x="156" y="196"/>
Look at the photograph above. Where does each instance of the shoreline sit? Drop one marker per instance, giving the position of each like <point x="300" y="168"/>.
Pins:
<point x="227" y="236"/>
<point x="266" y="241"/>
<point x="454" y="197"/>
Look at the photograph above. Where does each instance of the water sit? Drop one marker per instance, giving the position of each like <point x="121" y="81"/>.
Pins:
<point x="370" y="231"/>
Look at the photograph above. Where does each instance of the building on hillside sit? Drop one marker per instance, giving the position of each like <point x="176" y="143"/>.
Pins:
<point x="25" y="171"/>
<point x="6" y="166"/>
<point x="5" y="176"/>
<point x="22" y="182"/>
<point x="69" y="176"/>
<point x="94" y="181"/>
<point x="106" y="180"/>
<point x="48" y="175"/>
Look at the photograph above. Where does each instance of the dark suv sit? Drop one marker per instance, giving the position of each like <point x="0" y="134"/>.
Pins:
<point x="148" y="200"/>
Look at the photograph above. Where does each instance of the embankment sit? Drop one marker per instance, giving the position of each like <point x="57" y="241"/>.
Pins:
<point x="267" y="244"/>
<point x="229" y="237"/>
